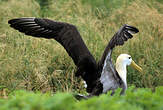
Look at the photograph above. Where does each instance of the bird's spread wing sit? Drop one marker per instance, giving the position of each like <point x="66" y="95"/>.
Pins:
<point x="105" y="64"/>
<point x="68" y="36"/>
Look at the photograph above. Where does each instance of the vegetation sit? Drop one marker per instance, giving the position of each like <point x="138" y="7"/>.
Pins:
<point x="43" y="65"/>
<point x="140" y="99"/>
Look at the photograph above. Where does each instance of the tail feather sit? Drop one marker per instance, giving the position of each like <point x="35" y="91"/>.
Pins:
<point x="81" y="97"/>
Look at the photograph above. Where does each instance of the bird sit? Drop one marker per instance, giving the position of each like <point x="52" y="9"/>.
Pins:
<point x="100" y="77"/>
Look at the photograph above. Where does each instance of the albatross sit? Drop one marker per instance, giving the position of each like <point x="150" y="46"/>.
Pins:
<point x="101" y="76"/>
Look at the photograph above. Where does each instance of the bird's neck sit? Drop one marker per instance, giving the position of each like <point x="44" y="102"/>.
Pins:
<point x="121" y="69"/>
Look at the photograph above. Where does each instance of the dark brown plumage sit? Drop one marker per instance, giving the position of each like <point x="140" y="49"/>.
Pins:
<point x="69" y="37"/>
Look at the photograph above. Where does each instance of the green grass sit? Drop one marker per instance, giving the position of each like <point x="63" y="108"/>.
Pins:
<point x="40" y="64"/>
<point x="139" y="99"/>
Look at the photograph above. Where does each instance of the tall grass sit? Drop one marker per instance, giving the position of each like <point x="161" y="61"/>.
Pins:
<point x="40" y="64"/>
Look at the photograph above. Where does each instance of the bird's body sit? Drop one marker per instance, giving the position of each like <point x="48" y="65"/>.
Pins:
<point x="100" y="77"/>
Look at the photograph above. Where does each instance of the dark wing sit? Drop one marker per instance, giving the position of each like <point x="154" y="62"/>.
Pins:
<point x="105" y="65"/>
<point x="123" y="34"/>
<point x="68" y="36"/>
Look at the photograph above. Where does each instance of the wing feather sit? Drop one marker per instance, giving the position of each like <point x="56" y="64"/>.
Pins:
<point x="123" y="34"/>
<point x="68" y="36"/>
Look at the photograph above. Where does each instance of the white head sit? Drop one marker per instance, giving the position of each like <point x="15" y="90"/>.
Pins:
<point x="125" y="59"/>
<point x="122" y="61"/>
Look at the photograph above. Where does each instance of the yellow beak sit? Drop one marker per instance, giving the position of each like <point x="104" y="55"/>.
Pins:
<point x="134" y="65"/>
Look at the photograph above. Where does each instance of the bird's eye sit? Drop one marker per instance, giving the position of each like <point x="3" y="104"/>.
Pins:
<point x="129" y="57"/>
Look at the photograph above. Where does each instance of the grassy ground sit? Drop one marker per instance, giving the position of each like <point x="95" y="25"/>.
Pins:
<point x="140" y="99"/>
<point x="40" y="64"/>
